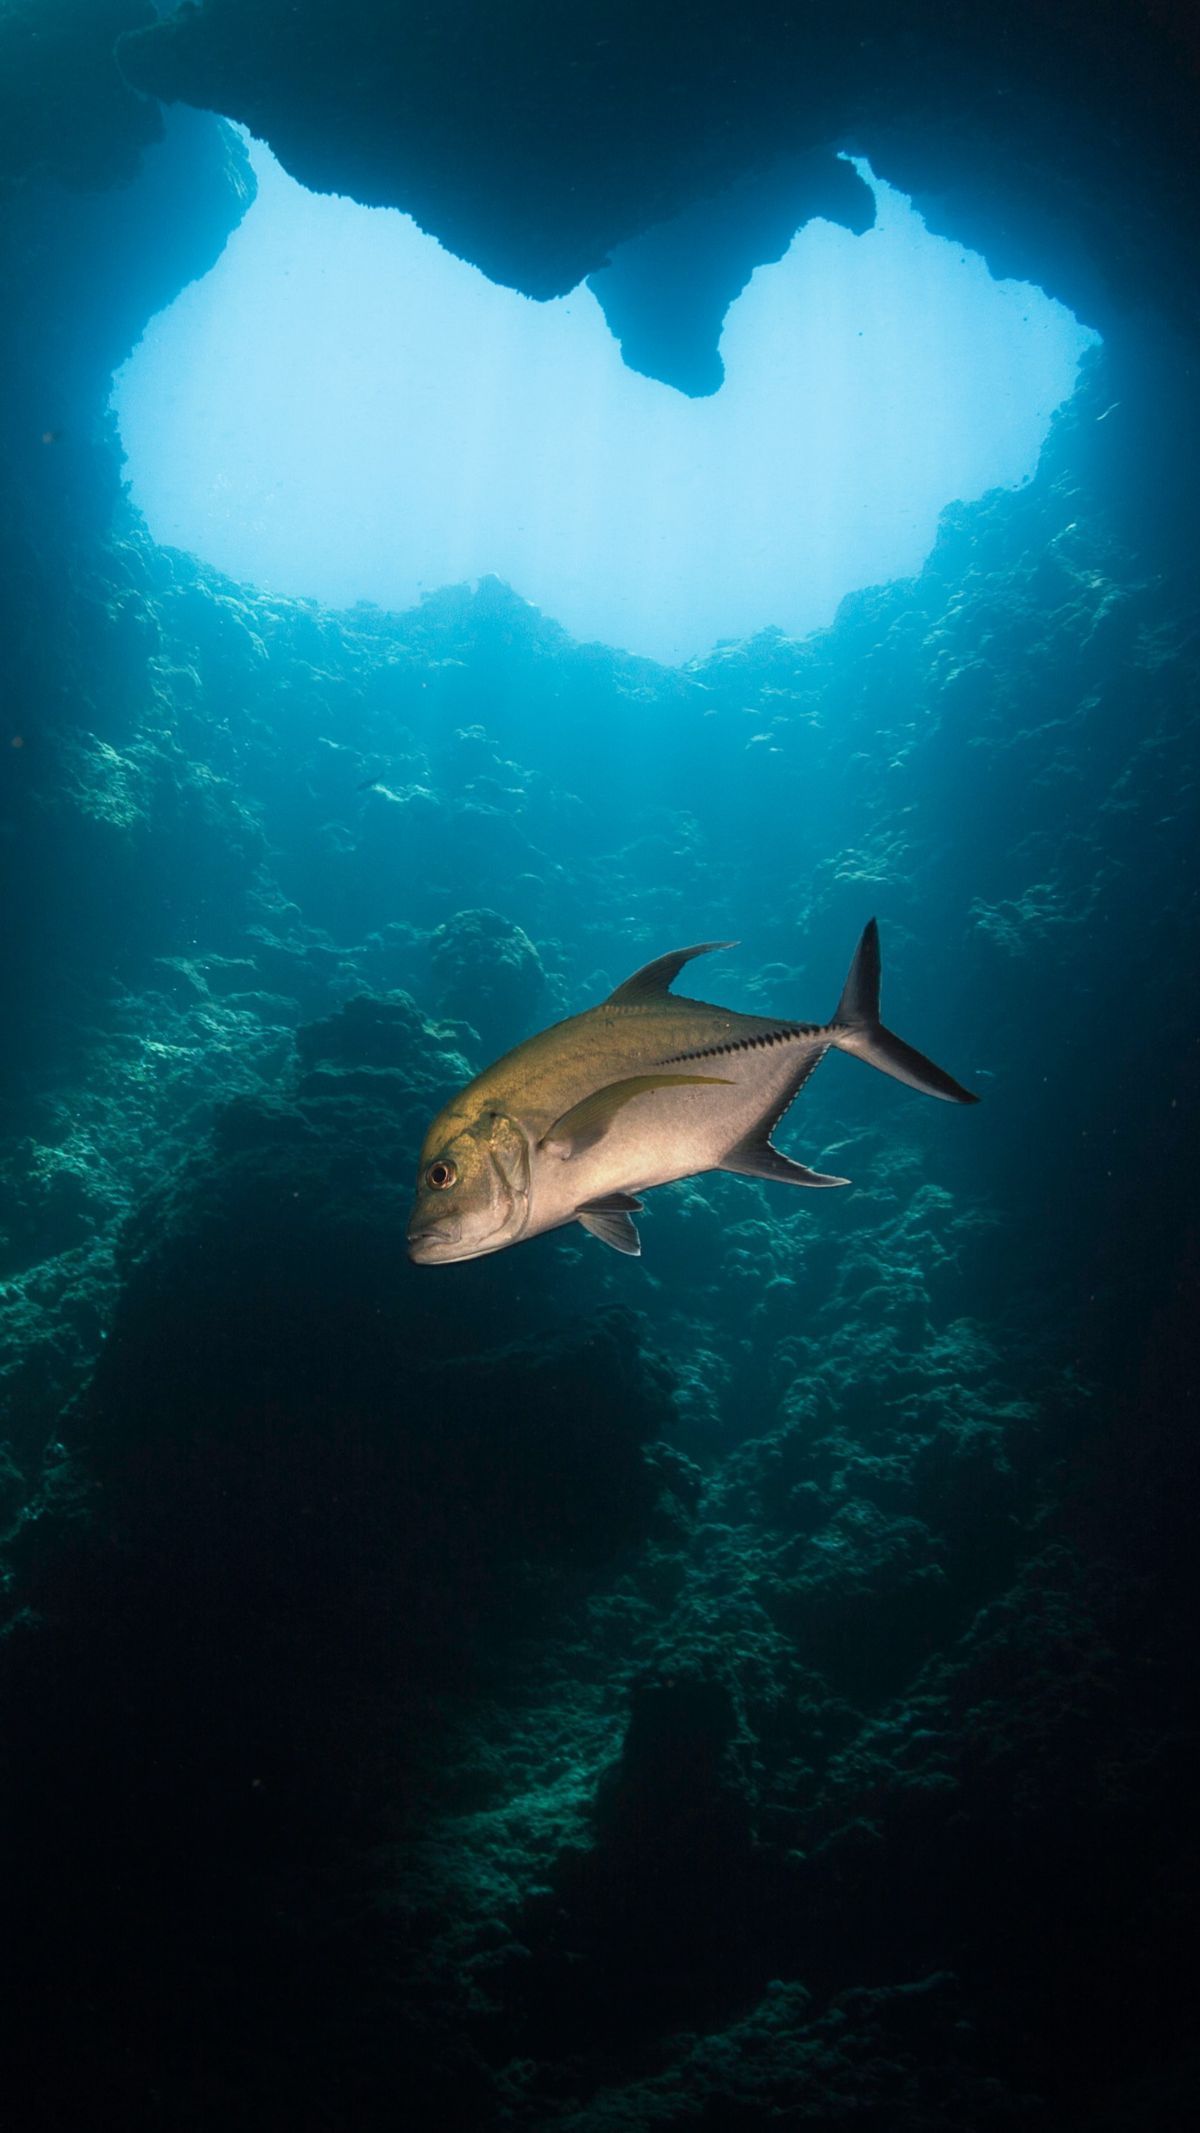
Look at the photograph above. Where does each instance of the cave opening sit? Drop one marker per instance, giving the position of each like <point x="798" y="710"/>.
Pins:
<point x="342" y="410"/>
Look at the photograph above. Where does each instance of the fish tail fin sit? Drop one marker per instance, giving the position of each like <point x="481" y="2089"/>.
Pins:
<point x="856" y="1027"/>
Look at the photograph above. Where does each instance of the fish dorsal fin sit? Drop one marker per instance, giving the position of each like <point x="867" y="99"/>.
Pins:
<point x="655" y="980"/>
<point x="754" y="1157"/>
<point x="588" y="1122"/>
<point x="613" y="1226"/>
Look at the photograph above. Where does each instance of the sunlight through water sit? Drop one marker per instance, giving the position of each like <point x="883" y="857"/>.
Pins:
<point x="343" y="410"/>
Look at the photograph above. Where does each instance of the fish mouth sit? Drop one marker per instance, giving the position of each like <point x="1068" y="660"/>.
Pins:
<point x="428" y="1245"/>
<point x="440" y="1243"/>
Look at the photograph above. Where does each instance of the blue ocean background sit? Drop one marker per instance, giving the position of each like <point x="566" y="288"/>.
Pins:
<point x="749" y="1686"/>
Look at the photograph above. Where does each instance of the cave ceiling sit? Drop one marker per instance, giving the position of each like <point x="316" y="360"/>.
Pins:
<point x="654" y="150"/>
<point x="551" y="144"/>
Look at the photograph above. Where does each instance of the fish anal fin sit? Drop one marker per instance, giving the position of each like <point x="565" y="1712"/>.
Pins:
<point x="587" y="1122"/>
<point x="654" y="980"/>
<point x="614" y="1226"/>
<point x="755" y="1157"/>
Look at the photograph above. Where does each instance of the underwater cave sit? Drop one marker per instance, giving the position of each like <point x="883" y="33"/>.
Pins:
<point x="489" y="496"/>
<point x="342" y="410"/>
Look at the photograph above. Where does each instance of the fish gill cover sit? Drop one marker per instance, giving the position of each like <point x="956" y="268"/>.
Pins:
<point x="755" y="1683"/>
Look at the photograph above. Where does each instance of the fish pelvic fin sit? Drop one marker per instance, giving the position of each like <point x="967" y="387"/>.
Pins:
<point x="586" y="1123"/>
<point x="611" y="1219"/>
<point x="856" y="1028"/>
<point x="755" y="1157"/>
<point x="654" y="980"/>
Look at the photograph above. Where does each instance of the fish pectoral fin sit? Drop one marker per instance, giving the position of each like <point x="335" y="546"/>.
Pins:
<point x="588" y="1122"/>
<point x="613" y="1225"/>
<point x="654" y="980"/>
<point x="612" y="1203"/>
<point x="754" y="1157"/>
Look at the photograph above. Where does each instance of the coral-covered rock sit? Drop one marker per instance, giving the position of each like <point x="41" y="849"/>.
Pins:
<point x="486" y="971"/>
<point x="324" y="1509"/>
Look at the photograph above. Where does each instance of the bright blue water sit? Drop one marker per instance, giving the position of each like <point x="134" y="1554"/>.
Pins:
<point x="342" y="409"/>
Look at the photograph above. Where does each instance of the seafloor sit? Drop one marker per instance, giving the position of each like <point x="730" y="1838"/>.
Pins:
<point x="751" y="1687"/>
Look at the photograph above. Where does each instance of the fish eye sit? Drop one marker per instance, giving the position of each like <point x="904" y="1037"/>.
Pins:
<point x="441" y="1174"/>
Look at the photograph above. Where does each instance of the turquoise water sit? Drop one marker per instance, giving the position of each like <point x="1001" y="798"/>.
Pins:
<point x="750" y="1685"/>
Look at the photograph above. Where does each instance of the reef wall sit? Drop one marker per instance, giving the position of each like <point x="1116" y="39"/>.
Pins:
<point x="790" y="1638"/>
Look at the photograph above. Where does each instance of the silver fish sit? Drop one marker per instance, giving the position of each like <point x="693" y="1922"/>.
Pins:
<point x="579" y="1121"/>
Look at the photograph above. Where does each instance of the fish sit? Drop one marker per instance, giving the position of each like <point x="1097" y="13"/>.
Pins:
<point x="576" y="1123"/>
